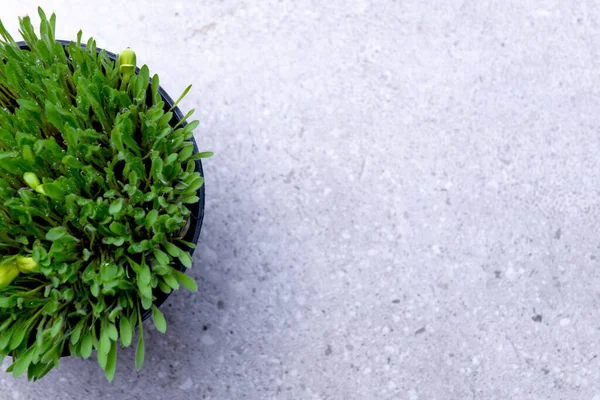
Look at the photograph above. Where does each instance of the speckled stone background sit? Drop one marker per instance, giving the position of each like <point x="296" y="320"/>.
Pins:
<point x="403" y="202"/>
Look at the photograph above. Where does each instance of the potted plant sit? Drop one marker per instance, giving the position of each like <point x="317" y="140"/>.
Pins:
<point x="101" y="200"/>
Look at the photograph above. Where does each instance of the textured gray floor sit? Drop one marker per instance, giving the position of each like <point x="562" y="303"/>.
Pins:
<point x="403" y="204"/>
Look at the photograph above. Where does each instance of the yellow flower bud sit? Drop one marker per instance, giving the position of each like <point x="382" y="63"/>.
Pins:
<point x="8" y="273"/>
<point x="31" y="179"/>
<point x="26" y="264"/>
<point x="127" y="61"/>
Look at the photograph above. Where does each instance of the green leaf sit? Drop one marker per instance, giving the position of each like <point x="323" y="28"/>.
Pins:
<point x="158" y="238"/>
<point x="145" y="76"/>
<point x="146" y="301"/>
<point x="188" y="129"/>
<point x="72" y="162"/>
<point x="145" y="275"/>
<point x="127" y="128"/>
<point x="187" y="89"/>
<point x="159" y="320"/>
<point x="155" y="86"/>
<point x="17" y="337"/>
<point x="102" y="358"/>
<point x="5" y="35"/>
<point x="68" y="295"/>
<point x="125" y="330"/>
<point x="85" y="349"/>
<point x="149" y="196"/>
<point x="172" y="224"/>
<point x="56" y="233"/>
<point x="51" y="354"/>
<point x="8" y="302"/>
<point x="151" y="218"/>
<point x="115" y="241"/>
<point x="157" y="167"/>
<point x="133" y="178"/>
<point x="76" y="333"/>
<point x="139" y="215"/>
<point x="203" y="154"/>
<point x="113" y="334"/>
<point x="56" y="327"/>
<point x="171" y="159"/>
<point x="163" y="202"/>
<point x="161" y="270"/>
<point x="172" y="249"/>
<point x="171" y="281"/>
<point x="190" y="200"/>
<point x="190" y="166"/>
<point x="164" y="287"/>
<point x="104" y="342"/>
<point x="185" y="153"/>
<point x="111" y="362"/>
<point x="52" y="190"/>
<point x="114" y="314"/>
<point x="135" y="248"/>
<point x="116" y="207"/>
<point x="195" y="185"/>
<point x="145" y="290"/>
<point x="185" y="280"/>
<point x="38" y="370"/>
<point x="22" y="363"/>
<point x="161" y="257"/>
<point x="118" y="228"/>
<point x="185" y="117"/>
<point x="5" y="325"/>
<point x="164" y="120"/>
<point x="139" y="351"/>
<point x="185" y="259"/>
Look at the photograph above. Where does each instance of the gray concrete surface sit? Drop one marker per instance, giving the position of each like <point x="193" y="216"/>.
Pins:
<point x="403" y="204"/>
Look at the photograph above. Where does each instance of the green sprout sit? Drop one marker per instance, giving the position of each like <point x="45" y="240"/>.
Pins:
<point x="95" y="182"/>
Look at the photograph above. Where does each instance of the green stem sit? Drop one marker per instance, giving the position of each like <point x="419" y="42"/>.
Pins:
<point x="33" y="291"/>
